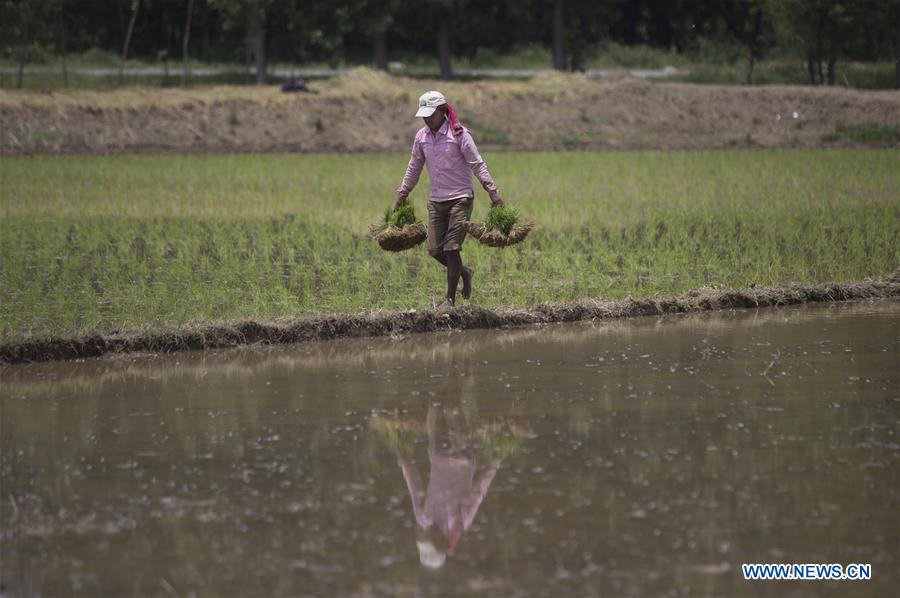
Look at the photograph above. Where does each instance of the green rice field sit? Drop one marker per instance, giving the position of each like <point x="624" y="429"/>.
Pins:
<point x="94" y="244"/>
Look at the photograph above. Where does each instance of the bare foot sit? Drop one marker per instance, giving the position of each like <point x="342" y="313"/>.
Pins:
<point x="444" y="308"/>
<point x="467" y="274"/>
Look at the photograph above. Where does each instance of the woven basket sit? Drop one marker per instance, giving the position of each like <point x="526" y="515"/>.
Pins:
<point x="398" y="239"/>
<point x="495" y="238"/>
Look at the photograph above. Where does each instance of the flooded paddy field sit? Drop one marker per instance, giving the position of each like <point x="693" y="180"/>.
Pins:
<point x="645" y="457"/>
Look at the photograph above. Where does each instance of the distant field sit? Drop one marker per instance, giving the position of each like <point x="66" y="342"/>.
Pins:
<point x="368" y="111"/>
<point x="99" y="70"/>
<point x="95" y="244"/>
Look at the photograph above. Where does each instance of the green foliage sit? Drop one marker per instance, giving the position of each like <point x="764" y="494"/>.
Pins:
<point x="93" y="244"/>
<point x="400" y="217"/>
<point x="511" y="35"/>
<point x="870" y="133"/>
<point x="501" y="218"/>
<point x="639" y="56"/>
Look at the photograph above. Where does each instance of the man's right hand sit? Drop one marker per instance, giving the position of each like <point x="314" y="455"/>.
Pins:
<point x="399" y="202"/>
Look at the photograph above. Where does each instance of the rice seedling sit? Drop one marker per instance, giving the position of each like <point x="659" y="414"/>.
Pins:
<point x="501" y="228"/>
<point x="95" y="244"/>
<point x="495" y="238"/>
<point x="501" y="218"/>
<point x="402" y="216"/>
<point x="400" y="229"/>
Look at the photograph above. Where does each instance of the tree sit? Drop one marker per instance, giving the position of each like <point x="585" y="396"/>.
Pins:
<point x="26" y="21"/>
<point x="434" y="26"/>
<point x="376" y="18"/>
<point x="256" y="38"/>
<point x="749" y="22"/>
<point x="185" y="41"/>
<point x="583" y="24"/>
<point x="135" y="6"/>
<point x="559" y="42"/>
<point x="250" y="16"/>
<point x="820" y="28"/>
<point x="896" y="45"/>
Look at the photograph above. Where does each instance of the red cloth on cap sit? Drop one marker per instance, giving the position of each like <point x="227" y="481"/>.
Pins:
<point x="455" y="125"/>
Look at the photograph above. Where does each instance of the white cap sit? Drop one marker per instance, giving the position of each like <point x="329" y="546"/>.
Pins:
<point x="428" y="102"/>
<point x="430" y="556"/>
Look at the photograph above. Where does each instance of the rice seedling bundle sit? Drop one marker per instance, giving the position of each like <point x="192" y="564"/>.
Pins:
<point x="501" y="228"/>
<point x="400" y="229"/>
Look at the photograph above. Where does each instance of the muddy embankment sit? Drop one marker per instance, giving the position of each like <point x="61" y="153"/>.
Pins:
<point x="246" y="332"/>
<point x="366" y="110"/>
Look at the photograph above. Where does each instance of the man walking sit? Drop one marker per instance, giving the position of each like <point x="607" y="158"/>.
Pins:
<point x="449" y="152"/>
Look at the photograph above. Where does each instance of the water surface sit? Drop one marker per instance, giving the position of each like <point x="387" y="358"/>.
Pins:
<point x="649" y="456"/>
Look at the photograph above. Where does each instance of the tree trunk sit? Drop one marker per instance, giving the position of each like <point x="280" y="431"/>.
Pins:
<point x="750" y="63"/>
<point x="260" y="53"/>
<point x="811" y="68"/>
<point x="258" y="42"/>
<point x="248" y="58"/>
<point x="443" y="47"/>
<point x="754" y="45"/>
<point x="831" y="62"/>
<point x="819" y="54"/>
<point x="135" y="5"/>
<point x="559" y="45"/>
<point x="63" y="45"/>
<point x="897" y="50"/>
<point x="186" y="39"/>
<point x="380" y="48"/>
<point x="23" y="57"/>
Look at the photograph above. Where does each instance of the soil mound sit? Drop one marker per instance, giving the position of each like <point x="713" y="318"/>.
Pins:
<point x="229" y="334"/>
<point x="553" y="111"/>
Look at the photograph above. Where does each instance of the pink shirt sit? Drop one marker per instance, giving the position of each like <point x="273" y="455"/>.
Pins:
<point x="451" y="160"/>
<point x="453" y="495"/>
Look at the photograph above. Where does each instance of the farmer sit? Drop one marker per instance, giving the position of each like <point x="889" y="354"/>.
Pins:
<point x="449" y="151"/>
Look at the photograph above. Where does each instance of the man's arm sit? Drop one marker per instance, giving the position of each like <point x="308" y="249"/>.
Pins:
<point x="479" y="168"/>
<point x="479" y="491"/>
<point x="414" y="485"/>
<point x="413" y="171"/>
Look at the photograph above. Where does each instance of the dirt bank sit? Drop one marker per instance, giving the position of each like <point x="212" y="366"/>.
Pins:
<point x="369" y="111"/>
<point x="229" y="334"/>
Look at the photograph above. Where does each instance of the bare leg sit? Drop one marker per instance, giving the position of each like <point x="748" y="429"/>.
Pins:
<point x="440" y="257"/>
<point x="466" y="273"/>
<point x="454" y="271"/>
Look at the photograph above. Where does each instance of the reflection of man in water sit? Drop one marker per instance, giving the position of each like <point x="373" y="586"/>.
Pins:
<point x="448" y="506"/>
<point x="464" y="454"/>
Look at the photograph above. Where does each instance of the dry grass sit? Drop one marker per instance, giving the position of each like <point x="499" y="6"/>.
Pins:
<point x="552" y="110"/>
